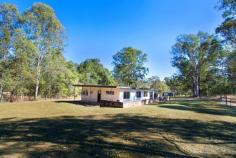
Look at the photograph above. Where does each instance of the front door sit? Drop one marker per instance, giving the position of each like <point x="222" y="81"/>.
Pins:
<point x="99" y="96"/>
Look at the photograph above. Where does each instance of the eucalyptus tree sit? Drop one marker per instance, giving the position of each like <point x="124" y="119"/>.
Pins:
<point x="228" y="28"/>
<point x="21" y="65"/>
<point x="45" y="31"/>
<point x="157" y="84"/>
<point x="52" y="74"/>
<point x="58" y="76"/>
<point x="178" y="84"/>
<point x="194" y="55"/>
<point x="129" y="66"/>
<point x="9" y="20"/>
<point x="93" y="72"/>
<point x="232" y="70"/>
<point x="71" y="77"/>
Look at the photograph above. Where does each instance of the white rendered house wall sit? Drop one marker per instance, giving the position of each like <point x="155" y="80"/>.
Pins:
<point x="90" y="94"/>
<point x="145" y="94"/>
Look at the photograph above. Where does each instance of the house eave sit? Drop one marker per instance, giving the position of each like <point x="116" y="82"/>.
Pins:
<point x="91" y="85"/>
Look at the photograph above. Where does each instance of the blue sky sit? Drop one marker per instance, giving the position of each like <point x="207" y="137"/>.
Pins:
<point x="100" y="28"/>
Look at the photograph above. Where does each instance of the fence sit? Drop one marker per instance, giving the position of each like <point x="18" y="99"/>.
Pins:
<point x="7" y="97"/>
<point x="229" y="100"/>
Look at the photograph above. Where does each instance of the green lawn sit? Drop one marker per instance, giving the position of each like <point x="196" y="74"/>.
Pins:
<point x="60" y="129"/>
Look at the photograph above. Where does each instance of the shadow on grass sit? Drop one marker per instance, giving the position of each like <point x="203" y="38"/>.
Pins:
<point x="77" y="102"/>
<point x="83" y="137"/>
<point x="202" y="106"/>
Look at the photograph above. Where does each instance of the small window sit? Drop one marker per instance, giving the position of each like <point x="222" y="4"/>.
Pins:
<point x="85" y="92"/>
<point x="151" y="95"/>
<point x="138" y="94"/>
<point x="145" y="93"/>
<point x="126" y="95"/>
<point x="110" y="92"/>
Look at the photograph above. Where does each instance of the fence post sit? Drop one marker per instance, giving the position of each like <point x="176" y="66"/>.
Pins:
<point x="74" y="92"/>
<point x="226" y="100"/>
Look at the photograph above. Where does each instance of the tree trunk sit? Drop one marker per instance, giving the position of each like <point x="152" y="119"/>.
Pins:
<point x="38" y="73"/>
<point x="196" y="86"/>
<point x="199" y="86"/>
<point x="1" y="94"/>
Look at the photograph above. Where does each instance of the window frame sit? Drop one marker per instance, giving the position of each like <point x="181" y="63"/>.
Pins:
<point x="151" y="95"/>
<point x="138" y="94"/>
<point x="145" y="93"/>
<point x="126" y="95"/>
<point x="85" y="92"/>
<point x="110" y="93"/>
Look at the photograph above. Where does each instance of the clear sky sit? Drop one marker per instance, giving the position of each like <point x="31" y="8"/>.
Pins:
<point x="99" y="28"/>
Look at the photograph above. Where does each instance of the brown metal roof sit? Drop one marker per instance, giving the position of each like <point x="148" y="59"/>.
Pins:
<point x="90" y="85"/>
<point x="107" y="86"/>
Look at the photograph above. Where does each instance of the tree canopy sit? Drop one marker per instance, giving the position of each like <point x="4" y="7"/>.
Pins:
<point x="45" y="31"/>
<point x="158" y="85"/>
<point x="194" y="56"/>
<point x="32" y="62"/>
<point x="228" y="31"/>
<point x="31" y="47"/>
<point x="228" y="28"/>
<point x="92" y="72"/>
<point x="129" y="66"/>
<point x="8" y="25"/>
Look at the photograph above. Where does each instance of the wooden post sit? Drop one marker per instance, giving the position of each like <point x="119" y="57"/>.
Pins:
<point x="1" y="94"/>
<point x="226" y="100"/>
<point x="74" y="92"/>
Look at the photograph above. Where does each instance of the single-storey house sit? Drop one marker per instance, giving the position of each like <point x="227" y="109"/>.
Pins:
<point x="116" y="96"/>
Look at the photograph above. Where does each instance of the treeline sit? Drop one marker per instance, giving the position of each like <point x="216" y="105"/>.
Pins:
<point x="32" y="62"/>
<point x="31" y="53"/>
<point x="207" y="63"/>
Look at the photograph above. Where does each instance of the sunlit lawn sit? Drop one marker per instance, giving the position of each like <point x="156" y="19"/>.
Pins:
<point x="175" y="129"/>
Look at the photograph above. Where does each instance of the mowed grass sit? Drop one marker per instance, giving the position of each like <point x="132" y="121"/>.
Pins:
<point x="63" y="129"/>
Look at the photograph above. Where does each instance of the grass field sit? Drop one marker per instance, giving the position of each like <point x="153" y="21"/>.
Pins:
<point x="60" y="129"/>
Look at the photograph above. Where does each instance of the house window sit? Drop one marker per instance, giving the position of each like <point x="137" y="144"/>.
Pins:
<point x="126" y="95"/>
<point x="151" y="95"/>
<point x="85" y="92"/>
<point x="145" y="93"/>
<point x="138" y="94"/>
<point x="110" y="92"/>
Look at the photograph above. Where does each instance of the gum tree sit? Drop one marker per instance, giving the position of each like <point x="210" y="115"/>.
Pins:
<point x="194" y="55"/>
<point x="46" y="32"/>
<point x="9" y="18"/>
<point x="129" y="66"/>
